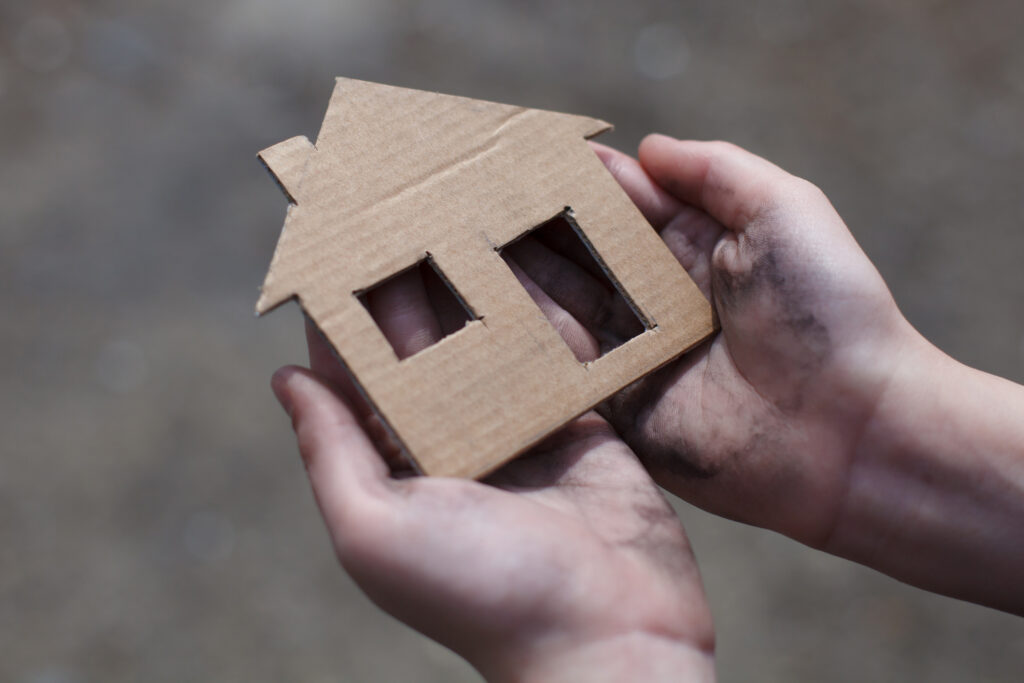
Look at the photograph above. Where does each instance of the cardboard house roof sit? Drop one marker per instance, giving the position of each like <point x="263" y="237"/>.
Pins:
<point x="399" y="175"/>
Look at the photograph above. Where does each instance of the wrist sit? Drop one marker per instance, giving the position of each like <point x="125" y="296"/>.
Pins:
<point x="935" y="493"/>
<point x="625" y="657"/>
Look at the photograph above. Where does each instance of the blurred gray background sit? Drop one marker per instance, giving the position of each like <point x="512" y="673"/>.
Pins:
<point x="154" y="518"/>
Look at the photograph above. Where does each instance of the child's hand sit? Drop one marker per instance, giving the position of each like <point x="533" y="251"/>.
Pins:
<point x="760" y="423"/>
<point x="567" y="564"/>
<point x="817" y="410"/>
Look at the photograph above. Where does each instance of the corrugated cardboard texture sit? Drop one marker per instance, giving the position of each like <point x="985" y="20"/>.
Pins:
<point x="397" y="175"/>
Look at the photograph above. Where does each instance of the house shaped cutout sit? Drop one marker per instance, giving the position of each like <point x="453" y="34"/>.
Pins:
<point x="398" y="176"/>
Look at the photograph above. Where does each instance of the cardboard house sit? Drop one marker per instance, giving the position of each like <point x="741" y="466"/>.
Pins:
<point x="400" y="176"/>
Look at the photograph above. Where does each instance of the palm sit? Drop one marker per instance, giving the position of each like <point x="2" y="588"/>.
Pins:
<point x="581" y="518"/>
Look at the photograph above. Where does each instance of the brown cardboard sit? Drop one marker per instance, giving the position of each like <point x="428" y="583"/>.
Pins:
<point x="397" y="175"/>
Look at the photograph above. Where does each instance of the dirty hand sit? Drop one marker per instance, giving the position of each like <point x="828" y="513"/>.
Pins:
<point x="567" y="564"/>
<point x="816" y="411"/>
<point x="758" y="423"/>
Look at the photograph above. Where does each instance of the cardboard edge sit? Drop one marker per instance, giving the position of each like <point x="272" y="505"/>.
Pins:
<point x="586" y="126"/>
<point x="403" y="450"/>
<point x="264" y="305"/>
<point x="532" y="441"/>
<point x="596" y="127"/>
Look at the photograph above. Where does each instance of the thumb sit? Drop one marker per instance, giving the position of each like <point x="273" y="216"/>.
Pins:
<point x="780" y="229"/>
<point x="732" y="185"/>
<point x="348" y="476"/>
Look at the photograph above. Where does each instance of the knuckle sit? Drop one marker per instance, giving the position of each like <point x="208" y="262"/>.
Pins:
<point x="805" y="189"/>
<point x="727" y="265"/>
<point x="781" y="195"/>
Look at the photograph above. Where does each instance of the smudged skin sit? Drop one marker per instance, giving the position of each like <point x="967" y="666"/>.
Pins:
<point x="816" y="411"/>
<point x="736" y="426"/>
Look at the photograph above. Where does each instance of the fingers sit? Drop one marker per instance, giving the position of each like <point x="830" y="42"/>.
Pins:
<point x="345" y="470"/>
<point x="568" y="285"/>
<point x="732" y="185"/>
<point x="689" y="233"/>
<point x="657" y="205"/>
<point x="411" y="320"/>
<point x="582" y="343"/>
<point x="560" y="237"/>
<point x="451" y="316"/>
<point x="402" y="309"/>
<point x="325" y="363"/>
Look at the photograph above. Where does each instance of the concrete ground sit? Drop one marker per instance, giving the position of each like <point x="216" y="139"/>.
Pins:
<point x="154" y="518"/>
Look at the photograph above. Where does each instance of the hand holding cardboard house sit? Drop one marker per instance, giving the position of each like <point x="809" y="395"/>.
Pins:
<point x="400" y="176"/>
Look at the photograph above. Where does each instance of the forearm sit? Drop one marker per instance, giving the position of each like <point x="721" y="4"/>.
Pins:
<point x="632" y="657"/>
<point x="936" y="487"/>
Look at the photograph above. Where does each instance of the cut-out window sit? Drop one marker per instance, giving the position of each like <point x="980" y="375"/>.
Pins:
<point x="416" y="308"/>
<point x="563" y="274"/>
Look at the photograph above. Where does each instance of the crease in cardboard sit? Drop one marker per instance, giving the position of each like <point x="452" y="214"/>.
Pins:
<point x="511" y="118"/>
<point x="435" y="175"/>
